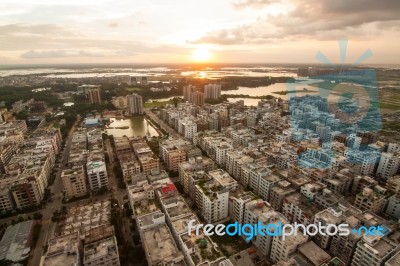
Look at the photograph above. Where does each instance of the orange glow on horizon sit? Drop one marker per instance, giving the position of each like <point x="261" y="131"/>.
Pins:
<point x="201" y="54"/>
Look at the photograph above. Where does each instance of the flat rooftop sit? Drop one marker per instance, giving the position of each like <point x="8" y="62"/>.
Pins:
<point x="222" y="177"/>
<point x="383" y="246"/>
<point x="181" y="224"/>
<point x="63" y="250"/>
<point x="395" y="260"/>
<point x="160" y="246"/>
<point x="176" y="206"/>
<point x="102" y="248"/>
<point x="314" y="253"/>
<point x="16" y="241"/>
<point x="149" y="219"/>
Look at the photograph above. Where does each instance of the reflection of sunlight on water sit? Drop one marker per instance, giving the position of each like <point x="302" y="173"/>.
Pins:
<point x="202" y="74"/>
<point x="137" y="127"/>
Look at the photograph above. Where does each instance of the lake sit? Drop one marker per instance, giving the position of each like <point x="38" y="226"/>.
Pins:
<point x="137" y="127"/>
<point x="268" y="90"/>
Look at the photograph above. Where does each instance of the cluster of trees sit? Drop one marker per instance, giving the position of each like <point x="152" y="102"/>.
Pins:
<point x="13" y="94"/>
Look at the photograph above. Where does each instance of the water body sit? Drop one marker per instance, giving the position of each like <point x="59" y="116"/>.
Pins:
<point x="269" y="90"/>
<point x="278" y="87"/>
<point x="247" y="101"/>
<point x="137" y="127"/>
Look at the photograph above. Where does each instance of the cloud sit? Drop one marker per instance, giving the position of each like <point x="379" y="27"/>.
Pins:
<point x="253" y="3"/>
<point x="59" y="53"/>
<point x="113" y="25"/>
<point x="321" y="19"/>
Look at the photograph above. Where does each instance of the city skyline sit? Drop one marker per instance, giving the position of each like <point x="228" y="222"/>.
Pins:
<point x="231" y="31"/>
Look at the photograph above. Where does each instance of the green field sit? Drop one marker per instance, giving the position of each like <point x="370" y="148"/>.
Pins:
<point x="157" y="104"/>
<point x="134" y="89"/>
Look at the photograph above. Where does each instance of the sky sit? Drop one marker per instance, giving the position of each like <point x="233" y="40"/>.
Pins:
<point x="188" y="31"/>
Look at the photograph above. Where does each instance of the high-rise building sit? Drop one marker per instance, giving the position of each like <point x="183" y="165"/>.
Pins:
<point x="212" y="91"/>
<point x="212" y="195"/>
<point x="197" y="98"/>
<point x="187" y="92"/>
<point x="193" y="95"/>
<point x="135" y="104"/>
<point x="388" y="165"/>
<point x="94" y="96"/>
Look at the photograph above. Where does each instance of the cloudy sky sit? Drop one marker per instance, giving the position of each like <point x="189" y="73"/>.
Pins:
<point x="184" y="31"/>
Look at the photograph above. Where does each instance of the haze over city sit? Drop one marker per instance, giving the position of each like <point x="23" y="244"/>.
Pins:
<point x="200" y="133"/>
<point x="181" y="31"/>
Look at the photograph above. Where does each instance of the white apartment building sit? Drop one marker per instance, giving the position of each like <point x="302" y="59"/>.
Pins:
<point x="97" y="174"/>
<point x="135" y="104"/>
<point x="393" y="207"/>
<point x="259" y="211"/>
<point x="189" y="128"/>
<point x="282" y="249"/>
<point x="366" y="159"/>
<point x="74" y="182"/>
<point x="237" y="205"/>
<point x="262" y="180"/>
<point x="374" y="251"/>
<point x="212" y="91"/>
<point x="212" y="201"/>
<point x="220" y="152"/>
<point x="388" y="165"/>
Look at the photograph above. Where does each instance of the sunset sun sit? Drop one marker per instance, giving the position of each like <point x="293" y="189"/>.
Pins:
<point x="201" y="54"/>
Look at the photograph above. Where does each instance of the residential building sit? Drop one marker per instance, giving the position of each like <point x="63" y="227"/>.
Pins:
<point x="212" y="200"/>
<point x="63" y="250"/>
<point x="237" y="204"/>
<point x="135" y="104"/>
<point x="281" y="249"/>
<point x="393" y="206"/>
<point x="334" y="215"/>
<point x="388" y="166"/>
<point x="174" y="159"/>
<point x="100" y="247"/>
<point x="374" y="251"/>
<point x="97" y="174"/>
<point x="394" y="260"/>
<point x="279" y="192"/>
<point x="15" y="245"/>
<point x="212" y="91"/>
<point x="120" y="102"/>
<point x="74" y="182"/>
<point x="298" y="208"/>
<point x="149" y="163"/>
<point x="94" y="96"/>
<point x="371" y="200"/>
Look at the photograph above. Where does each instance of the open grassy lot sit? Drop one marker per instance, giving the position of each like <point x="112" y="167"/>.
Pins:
<point x="157" y="103"/>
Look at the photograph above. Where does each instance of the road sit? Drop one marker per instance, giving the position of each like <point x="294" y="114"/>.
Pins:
<point x="161" y="123"/>
<point x="55" y="204"/>
<point x="118" y="193"/>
